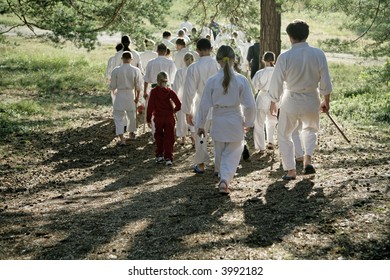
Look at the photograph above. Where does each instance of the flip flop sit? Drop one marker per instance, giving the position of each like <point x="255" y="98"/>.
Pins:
<point x="223" y="190"/>
<point x="309" y="169"/>
<point x="288" y="178"/>
<point x="197" y="170"/>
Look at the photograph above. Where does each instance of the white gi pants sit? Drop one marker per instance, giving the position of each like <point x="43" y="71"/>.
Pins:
<point x="125" y="120"/>
<point x="227" y="156"/>
<point x="120" y="123"/>
<point x="296" y="137"/>
<point x="264" y="116"/>
<point x="288" y="122"/>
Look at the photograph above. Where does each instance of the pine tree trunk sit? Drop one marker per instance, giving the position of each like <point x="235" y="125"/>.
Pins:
<point x="270" y="24"/>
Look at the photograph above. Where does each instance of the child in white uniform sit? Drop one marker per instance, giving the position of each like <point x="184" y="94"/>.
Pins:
<point x="261" y="82"/>
<point x="124" y="80"/>
<point x="234" y="110"/>
<point x="178" y="84"/>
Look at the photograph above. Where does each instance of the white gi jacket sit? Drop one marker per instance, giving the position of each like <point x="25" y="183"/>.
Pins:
<point x="232" y="111"/>
<point x="197" y="75"/>
<point x="136" y="61"/>
<point x="305" y="71"/>
<point x="157" y="65"/>
<point x="125" y="79"/>
<point x="261" y="81"/>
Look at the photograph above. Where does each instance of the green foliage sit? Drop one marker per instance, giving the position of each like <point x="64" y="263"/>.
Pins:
<point x="361" y="94"/>
<point x="81" y="21"/>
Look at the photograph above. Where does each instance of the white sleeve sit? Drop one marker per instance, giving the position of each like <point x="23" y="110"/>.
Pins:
<point x="276" y="85"/>
<point x="205" y="104"/>
<point x="189" y="91"/>
<point x="113" y="82"/>
<point x="248" y="103"/>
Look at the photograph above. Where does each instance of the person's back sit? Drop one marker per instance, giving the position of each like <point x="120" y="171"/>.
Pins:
<point x="160" y="64"/>
<point x="253" y="58"/>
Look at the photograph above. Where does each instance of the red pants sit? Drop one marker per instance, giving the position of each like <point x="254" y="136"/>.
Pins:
<point x="164" y="136"/>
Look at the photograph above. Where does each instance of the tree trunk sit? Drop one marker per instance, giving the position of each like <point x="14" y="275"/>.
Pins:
<point x="270" y="24"/>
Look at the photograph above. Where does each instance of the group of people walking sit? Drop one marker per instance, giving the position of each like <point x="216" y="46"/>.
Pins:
<point x="206" y="96"/>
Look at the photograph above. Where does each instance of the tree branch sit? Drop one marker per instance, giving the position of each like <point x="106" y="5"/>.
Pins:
<point x="372" y="23"/>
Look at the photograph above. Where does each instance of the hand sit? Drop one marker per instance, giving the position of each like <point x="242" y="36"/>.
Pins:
<point x="136" y="100"/>
<point x="273" y="109"/>
<point x="146" y="96"/>
<point x="189" y="119"/>
<point x="201" y="132"/>
<point x="149" y="124"/>
<point x="324" y="107"/>
<point x="246" y="129"/>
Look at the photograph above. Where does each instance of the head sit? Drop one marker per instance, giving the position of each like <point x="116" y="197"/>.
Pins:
<point x="269" y="57"/>
<point x="167" y="34"/>
<point x="162" y="79"/>
<point x="226" y="57"/>
<point x="185" y="18"/>
<point x="162" y="49"/>
<point x="168" y="53"/>
<point x="188" y="59"/>
<point x="127" y="57"/>
<point x="185" y="30"/>
<point x="119" y="47"/>
<point x="203" y="47"/>
<point x="180" y="44"/>
<point x="180" y="33"/>
<point x="125" y="40"/>
<point x="298" y="31"/>
<point x="149" y="44"/>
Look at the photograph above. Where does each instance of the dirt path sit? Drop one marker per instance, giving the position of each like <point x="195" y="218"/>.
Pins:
<point x="72" y="194"/>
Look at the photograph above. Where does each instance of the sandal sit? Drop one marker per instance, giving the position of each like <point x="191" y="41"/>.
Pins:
<point x="309" y="169"/>
<point x="223" y="190"/>
<point x="197" y="170"/>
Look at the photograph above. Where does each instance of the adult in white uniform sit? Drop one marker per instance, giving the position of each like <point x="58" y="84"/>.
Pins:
<point x="125" y="79"/>
<point x="197" y="75"/>
<point x="261" y="81"/>
<point x="305" y="71"/>
<point x="110" y="66"/>
<point x="234" y="110"/>
<point x="188" y="25"/>
<point x="178" y="85"/>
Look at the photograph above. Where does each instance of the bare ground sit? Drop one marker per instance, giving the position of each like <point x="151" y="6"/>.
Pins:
<point x="72" y="194"/>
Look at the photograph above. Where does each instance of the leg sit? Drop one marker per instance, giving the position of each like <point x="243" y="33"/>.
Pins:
<point x="287" y="124"/>
<point x="270" y="124"/>
<point x="201" y="153"/>
<point x="258" y="131"/>
<point x="131" y="123"/>
<point x="296" y="137"/>
<point x="159" y="137"/>
<point x="310" y="127"/>
<point x="169" y="137"/>
<point x="230" y="158"/>
<point x="118" y="120"/>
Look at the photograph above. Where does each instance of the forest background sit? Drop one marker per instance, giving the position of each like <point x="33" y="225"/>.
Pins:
<point x="68" y="193"/>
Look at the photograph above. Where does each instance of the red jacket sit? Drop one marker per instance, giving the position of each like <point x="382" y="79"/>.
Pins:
<point x="160" y="103"/>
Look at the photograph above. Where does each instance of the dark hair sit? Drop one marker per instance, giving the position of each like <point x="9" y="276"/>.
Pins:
<point x="203" y="44"/>
<point x="167" y="34"/>
<point x="162" y="48"/>
<point x="127" y="55"/>
<point x="269" y="56"/>
<point x="125" y="40"/>
<point x="180" y="42"/>
<point x="298" y="30"/>
<point x="119" y="47"/>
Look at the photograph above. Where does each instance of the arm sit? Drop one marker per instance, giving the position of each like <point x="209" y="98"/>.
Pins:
<point x="205" y="105"/>
<point x="248" y="102"/>
<point x="175" y="100"/>
<point x="150" y="109"/>
<point x="189" y="92"/>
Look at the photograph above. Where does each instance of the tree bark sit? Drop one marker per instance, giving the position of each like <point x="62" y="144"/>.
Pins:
<point x="270" y="25"/>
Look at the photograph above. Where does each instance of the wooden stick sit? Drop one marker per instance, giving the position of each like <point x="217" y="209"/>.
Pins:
<point x="338" y="128"/>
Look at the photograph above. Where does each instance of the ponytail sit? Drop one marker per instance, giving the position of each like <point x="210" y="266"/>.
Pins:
<point x="226" y="56"/>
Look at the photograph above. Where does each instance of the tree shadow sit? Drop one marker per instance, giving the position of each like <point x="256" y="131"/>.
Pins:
<point x="280" y="210"/>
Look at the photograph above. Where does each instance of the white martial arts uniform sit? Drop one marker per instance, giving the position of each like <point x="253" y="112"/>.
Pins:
<point x="261" y="81"/>
<point x="179" y="58"/>
<point x="110" y="66"/>
<point x="232" y="111"/>
<point x="136" y="60"/>
<point x="124" y="80"/>
<point x="197" y="75"/>
<point x="147" y="56"/>
<point x="178" y="85"/>
<point x="305" y="71"/>
<point x="157" y="65"/>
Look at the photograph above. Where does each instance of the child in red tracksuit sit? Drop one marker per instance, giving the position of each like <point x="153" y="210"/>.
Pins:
<point x="160" y="105"/>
